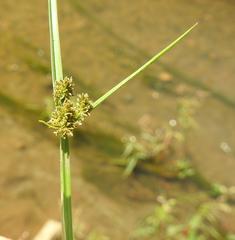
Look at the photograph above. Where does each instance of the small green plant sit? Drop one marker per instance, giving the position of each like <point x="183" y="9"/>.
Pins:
<point x="204" y="224"/>
<point x="158" y="221"/>
<point x="164" y="144"/>
<point x="185" y="169"/>
<point x="68" y="113"/>
<point x="187" y="108"/>
<point x="165" y="224"/>
<point x="152" y="148"/>
<point x="133" y="153"/>
<point x="225" y="193"/>
<point x="164" y="152"/>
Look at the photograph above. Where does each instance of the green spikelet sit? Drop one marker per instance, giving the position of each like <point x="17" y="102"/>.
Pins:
<point x="68" y="114"/>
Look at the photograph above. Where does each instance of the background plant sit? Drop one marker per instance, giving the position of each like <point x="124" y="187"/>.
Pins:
<point x="201" y="225"/>
<point x="163" y="145"/>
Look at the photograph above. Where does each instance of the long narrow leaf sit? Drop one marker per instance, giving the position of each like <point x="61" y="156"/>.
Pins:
<point x="138" y="71"/>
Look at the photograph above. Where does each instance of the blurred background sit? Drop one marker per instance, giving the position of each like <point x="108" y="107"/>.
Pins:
<point x="157" y="158"/>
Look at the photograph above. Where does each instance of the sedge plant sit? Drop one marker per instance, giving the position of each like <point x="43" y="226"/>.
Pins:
<point x="69" y="111"/>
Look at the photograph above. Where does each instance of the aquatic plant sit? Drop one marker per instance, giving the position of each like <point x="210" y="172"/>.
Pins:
<point x="163" y="144"/>
<point x="204" y="224"/>
<point x="133" y="153"/>
<point x="158" y="221"/>
<point x="185" y="169"/>
<point x="164" y="152"/>
<point x="165" y="223"/>
<point x="68" y="113"/>
<point x="149" y="148"/>
<point x="187" y="108"/>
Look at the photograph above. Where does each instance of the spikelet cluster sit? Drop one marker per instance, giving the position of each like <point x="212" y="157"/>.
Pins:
<point x="68" y="114"/>
<point x="64" y="90"/>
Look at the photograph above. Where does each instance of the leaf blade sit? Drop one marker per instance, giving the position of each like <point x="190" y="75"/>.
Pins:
<point x="142" y="68"/>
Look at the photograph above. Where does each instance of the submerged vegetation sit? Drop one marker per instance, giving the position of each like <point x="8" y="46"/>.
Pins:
<point x="164" y="149"/>
<point x="164" y="152"/>
<point x="203" y="224"/>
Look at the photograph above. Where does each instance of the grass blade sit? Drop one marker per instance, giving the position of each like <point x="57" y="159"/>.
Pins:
<point x="142" y="68"/>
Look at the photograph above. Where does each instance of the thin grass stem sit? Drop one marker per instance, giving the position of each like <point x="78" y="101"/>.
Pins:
<point x="65" y="176"/>
<point x="65" y="173"/>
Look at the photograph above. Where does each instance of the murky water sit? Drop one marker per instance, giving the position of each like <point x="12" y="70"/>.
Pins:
<point x="103" y="42"/>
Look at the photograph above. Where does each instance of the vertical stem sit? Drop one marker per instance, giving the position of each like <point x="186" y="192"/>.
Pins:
<point x="65" y="175"/>
<point x="56" y="61"/>
<point x="57" y="75"/>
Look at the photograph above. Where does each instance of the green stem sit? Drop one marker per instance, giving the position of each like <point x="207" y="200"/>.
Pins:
<point x="57" y="75"/>
<point x="65" y="176"/>
<point x="142" y="68"/>
<point x="56" y="61"/>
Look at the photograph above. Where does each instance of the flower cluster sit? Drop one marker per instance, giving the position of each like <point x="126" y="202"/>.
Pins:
<point x="68" y="114"/>
<point x="64" y="90"/>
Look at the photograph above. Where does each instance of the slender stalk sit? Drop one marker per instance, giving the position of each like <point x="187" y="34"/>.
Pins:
<point x="142" y="68"/>
<point x="57" y="75"/>
<point x="65" y="176"/>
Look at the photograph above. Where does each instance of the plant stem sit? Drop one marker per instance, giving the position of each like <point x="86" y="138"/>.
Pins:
<point x="56" y="62"/>
<point x="65" y="175"/>
<point x="57" y="75"/>
<point x="142" y="68"/>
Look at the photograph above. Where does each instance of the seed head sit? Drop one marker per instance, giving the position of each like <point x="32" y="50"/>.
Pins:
<point x="64" y="90"/>
<point x="68" y="114"/>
